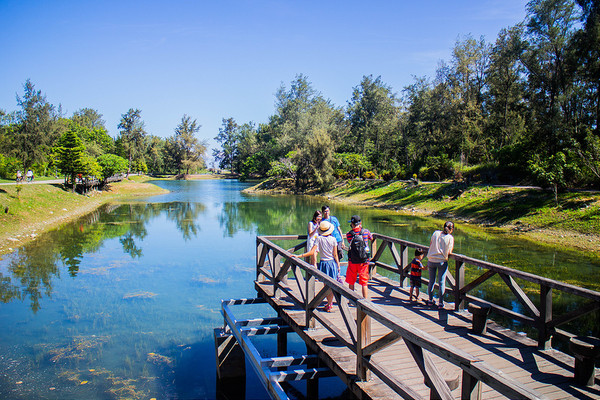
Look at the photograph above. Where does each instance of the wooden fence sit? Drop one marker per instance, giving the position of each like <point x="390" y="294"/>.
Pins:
<point x="540" y="317"/>
<point x="275" y="263"/>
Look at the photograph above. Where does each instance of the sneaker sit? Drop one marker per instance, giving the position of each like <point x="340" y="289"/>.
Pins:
<point x="441" y="305"/>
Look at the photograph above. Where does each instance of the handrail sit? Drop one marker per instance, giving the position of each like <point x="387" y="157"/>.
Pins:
<point x="565" y="287"/>
<point x="541" y="318"/>
<point x="275" y="263"/>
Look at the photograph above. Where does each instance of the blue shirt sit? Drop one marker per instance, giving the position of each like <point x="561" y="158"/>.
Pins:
<point x="336" y="225"/>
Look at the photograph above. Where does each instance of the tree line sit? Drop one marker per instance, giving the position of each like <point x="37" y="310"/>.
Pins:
<point x="524" y="109"/>
<point x="39" y="137"/>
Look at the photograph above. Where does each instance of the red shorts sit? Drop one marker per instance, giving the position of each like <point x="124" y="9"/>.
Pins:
<point x="362" y="270"/>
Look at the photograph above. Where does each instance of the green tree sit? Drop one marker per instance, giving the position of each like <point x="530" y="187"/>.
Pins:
<point x="470" y="60"/>
<point x="36" y="127"/>
<point x="89" y="118"/>
<point x="112" y="164"/>
<point x="550" y="172"/>
<point x="70" y="156"/>
<point x="228" y="138"/>
<point x="505" y="76"/>
<point x="189" y="150"/>
<point x="155" y="154"/>
<point x="373" y="114"/>
<point x="132" y="136"/>
<point x="550" y="28"/>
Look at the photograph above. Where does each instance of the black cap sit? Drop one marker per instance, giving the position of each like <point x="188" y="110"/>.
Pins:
<point x="355" y="220"/>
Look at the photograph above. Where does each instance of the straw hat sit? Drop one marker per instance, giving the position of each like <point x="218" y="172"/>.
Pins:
<point x="325" y="228"/>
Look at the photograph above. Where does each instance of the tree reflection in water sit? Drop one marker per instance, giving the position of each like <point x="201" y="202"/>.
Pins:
<point x="32" y="267"/>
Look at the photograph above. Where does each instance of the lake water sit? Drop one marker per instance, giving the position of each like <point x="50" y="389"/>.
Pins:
<point x="122" y="303"/>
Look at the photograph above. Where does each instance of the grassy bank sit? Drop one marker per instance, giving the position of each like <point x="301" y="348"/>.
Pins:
<point x="527" y="212"/>
<point x="36" y="208"/>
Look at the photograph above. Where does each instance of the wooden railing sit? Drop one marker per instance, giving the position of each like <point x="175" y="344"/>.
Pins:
<point x="541" y="318"/>
<point x="275" y="263"/>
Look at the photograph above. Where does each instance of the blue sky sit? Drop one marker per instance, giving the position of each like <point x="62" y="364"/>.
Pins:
<point x="221" y="59"/>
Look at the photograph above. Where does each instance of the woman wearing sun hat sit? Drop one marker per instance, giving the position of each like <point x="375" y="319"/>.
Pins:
<point x="329" y="263"/>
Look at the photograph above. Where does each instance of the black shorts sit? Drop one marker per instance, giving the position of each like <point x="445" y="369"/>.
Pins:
<point x="415" y="281"/>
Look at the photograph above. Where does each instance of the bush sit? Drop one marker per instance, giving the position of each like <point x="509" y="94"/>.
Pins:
<point x="369" y="175"/>
<point x="387" y="175"/>
<point x="437" y="168"/>
<point x="341" y="174"/>
<point x="9" y="167"/>
<point x="111" y="164"/>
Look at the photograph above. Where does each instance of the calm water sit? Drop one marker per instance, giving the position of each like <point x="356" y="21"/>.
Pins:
<point x="122" y="303"/>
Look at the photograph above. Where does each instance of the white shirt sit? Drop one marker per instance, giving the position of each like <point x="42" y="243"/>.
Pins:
<point x="440" y="248"/>
<point x="326" y="245"/>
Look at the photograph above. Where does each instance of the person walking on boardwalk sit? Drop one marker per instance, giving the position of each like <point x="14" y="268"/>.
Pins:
<point x="415" y="273"/>
<point x="329" y="262"/>
<point x="337" y="231"/>
<point x="441" y="246"/>
<point x="313" y="227"/>
<point x="358" y="255"/>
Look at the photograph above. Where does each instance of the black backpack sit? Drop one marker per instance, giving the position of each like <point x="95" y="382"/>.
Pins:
<point x="358" y="248"/>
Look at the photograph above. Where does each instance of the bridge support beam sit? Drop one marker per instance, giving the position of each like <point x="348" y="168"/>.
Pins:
<point x="231" y="362"/>
<point x="545" y="334"/>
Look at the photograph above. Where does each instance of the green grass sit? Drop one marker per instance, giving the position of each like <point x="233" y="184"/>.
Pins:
<point x="496" y="206"/>
<point x="27" y="207"/>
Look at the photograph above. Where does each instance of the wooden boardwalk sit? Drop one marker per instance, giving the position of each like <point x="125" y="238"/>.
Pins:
<point x="548" y="372"/>
<point x="388" y="347"/>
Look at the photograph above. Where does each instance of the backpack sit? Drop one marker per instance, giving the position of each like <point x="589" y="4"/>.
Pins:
<point x="357" y="253"/>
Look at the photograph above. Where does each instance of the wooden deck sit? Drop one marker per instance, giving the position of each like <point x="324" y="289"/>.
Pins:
<point x="548" y="372"/>
<point x="387" y="347"/>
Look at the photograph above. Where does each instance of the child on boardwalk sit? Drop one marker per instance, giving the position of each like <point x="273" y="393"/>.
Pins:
<point x="415" y="273"/>
<point x="358" y="255"/>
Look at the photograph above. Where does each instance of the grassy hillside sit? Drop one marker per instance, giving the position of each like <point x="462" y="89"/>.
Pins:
<point x="35" y="208"/>
<point x="531" y="212"/>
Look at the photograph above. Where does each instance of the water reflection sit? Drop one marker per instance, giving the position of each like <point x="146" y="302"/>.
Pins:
<point x="32" y="268"/>
<point x="126" y="298"/>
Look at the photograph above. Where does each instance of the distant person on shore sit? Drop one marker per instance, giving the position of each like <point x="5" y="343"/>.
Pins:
<point x="358" y="255"/>
<point x="29" y="175"/>
<point x="329" y="262"/>
<point x="440" y="248"/>
<point x="415" y="273"/>
<point x="337" y="230"/>
<point x="313" y="227"/>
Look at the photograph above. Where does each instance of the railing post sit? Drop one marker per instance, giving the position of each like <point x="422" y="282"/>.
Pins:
<point x="363" y="323"/>
<point x="459" y="276"/>
<point x="259" y="258"/>
<point x="471" y="387"/>
<point x="276" y="268"/>
<point x="544" y="333"/>
<point x="309" y="280"/>
<point x="403" y="262"/>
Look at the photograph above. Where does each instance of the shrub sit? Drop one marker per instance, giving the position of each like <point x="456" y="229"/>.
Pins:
<point x="111" y="164"/>
<point x="9" y="167"/>
<point x="369" y="175"/>
<point x="388" y="175"/>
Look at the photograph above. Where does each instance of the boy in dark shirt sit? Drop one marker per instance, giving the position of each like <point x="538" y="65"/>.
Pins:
<point x="415" y="273"/>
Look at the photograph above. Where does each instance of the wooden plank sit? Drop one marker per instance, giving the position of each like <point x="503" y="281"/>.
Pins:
<point x="476" y="282"/>
<point x="520" y="294"/>
<point x="500" y="349"/>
